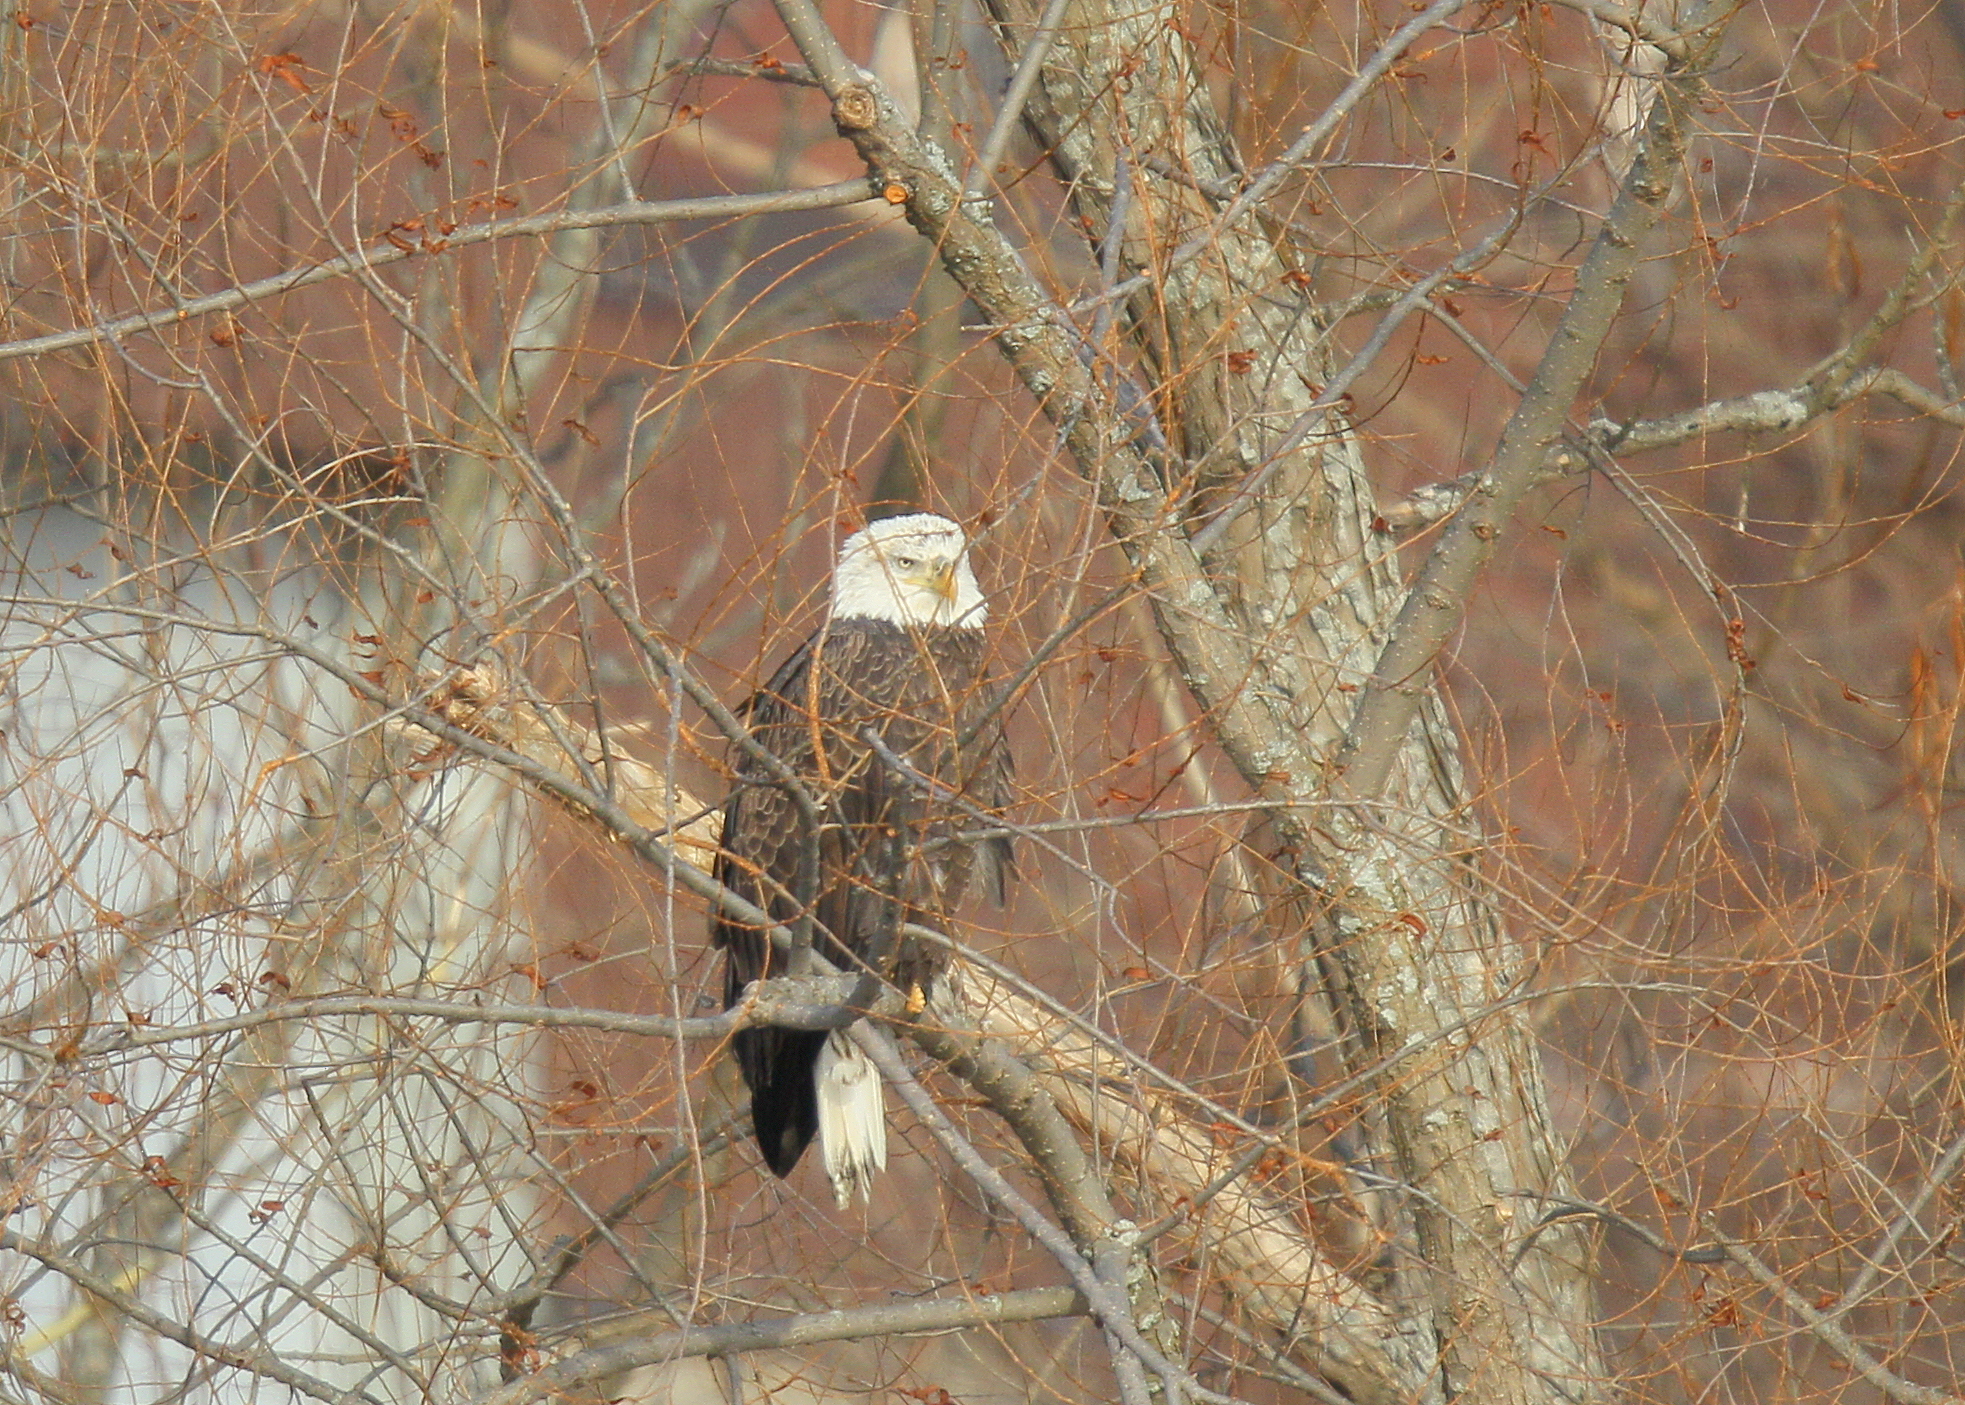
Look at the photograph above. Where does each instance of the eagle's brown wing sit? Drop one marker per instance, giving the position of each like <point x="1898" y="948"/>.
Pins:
<point x="988" y="775"/>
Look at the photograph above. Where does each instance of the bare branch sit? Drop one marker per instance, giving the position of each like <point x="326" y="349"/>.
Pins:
<point x="627" y="213"/>
<point x="1278" y="1274"/>
<point x="1827" y="1330"/>
<point x="1029" y="69"/>
<point x="1281" y="1277"/>
<point x="1108" y="1301"/>
<point x="601" y="1363"/>
<point x="1438" y="598"/>
<point x="253" y="1361"/>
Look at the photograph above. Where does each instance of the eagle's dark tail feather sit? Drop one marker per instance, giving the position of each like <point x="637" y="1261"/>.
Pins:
<point x="778" y="1066"/>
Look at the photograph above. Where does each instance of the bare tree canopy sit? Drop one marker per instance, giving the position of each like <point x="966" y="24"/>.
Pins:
<point x="1468" y="502"/>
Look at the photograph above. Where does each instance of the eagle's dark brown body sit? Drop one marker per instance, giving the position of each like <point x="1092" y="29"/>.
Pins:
<point x="883" y="855"/>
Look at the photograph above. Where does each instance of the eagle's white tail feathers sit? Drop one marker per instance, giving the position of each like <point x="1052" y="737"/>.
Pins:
<point x="852" y="1118"/>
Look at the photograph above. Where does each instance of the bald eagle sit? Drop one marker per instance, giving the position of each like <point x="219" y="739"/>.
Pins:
<point x="899" y="659"/>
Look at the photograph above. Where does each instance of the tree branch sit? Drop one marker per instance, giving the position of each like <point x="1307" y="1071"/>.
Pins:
<point x="1827" y="1330"/>
<point x="600" y="1363"/>
<point x="267" y="1364"/>
<point x="630" y="212"/>
<point x="1438" y="598"/>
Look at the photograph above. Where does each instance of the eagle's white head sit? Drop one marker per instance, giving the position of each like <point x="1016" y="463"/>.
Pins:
<point x="911" y="571"/>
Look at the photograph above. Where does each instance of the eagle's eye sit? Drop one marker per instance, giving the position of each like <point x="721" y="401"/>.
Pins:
<point x="905" y="563"/>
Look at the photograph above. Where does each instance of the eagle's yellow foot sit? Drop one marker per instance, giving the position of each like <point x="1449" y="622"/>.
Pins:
<point x="917" y="1001"/>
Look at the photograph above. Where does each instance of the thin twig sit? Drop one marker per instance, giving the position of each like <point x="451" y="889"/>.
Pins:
<point x="135" y="1309"/>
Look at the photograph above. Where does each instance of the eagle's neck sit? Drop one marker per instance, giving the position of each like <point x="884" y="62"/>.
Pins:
<point x="882" y="604"/>
<point x="886" y="623"/>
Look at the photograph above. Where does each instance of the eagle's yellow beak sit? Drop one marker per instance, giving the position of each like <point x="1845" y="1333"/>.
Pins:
<point x="942" y="579"/>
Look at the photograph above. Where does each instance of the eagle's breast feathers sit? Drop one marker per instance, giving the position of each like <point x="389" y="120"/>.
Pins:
<point x="888" y="849"/>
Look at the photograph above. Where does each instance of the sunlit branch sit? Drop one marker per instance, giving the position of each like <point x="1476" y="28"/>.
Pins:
<point x="424" y="244"/>
<point x="1785" y="411"/>
<point x="600" y="1363"/>
<point x="1775" y="411"/>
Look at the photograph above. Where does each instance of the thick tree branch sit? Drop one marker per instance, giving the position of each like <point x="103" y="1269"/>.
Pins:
<point x="1109" y="1302"/>
<point x="1334" y="1326"/>
<point x="597" y="1364"/>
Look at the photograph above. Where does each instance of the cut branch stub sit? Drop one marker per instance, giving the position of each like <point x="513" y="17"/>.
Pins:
<point x="855" y="109"/>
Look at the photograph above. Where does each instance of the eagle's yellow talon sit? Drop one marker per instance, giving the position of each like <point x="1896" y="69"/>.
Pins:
<point x="916" y="1001"/>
